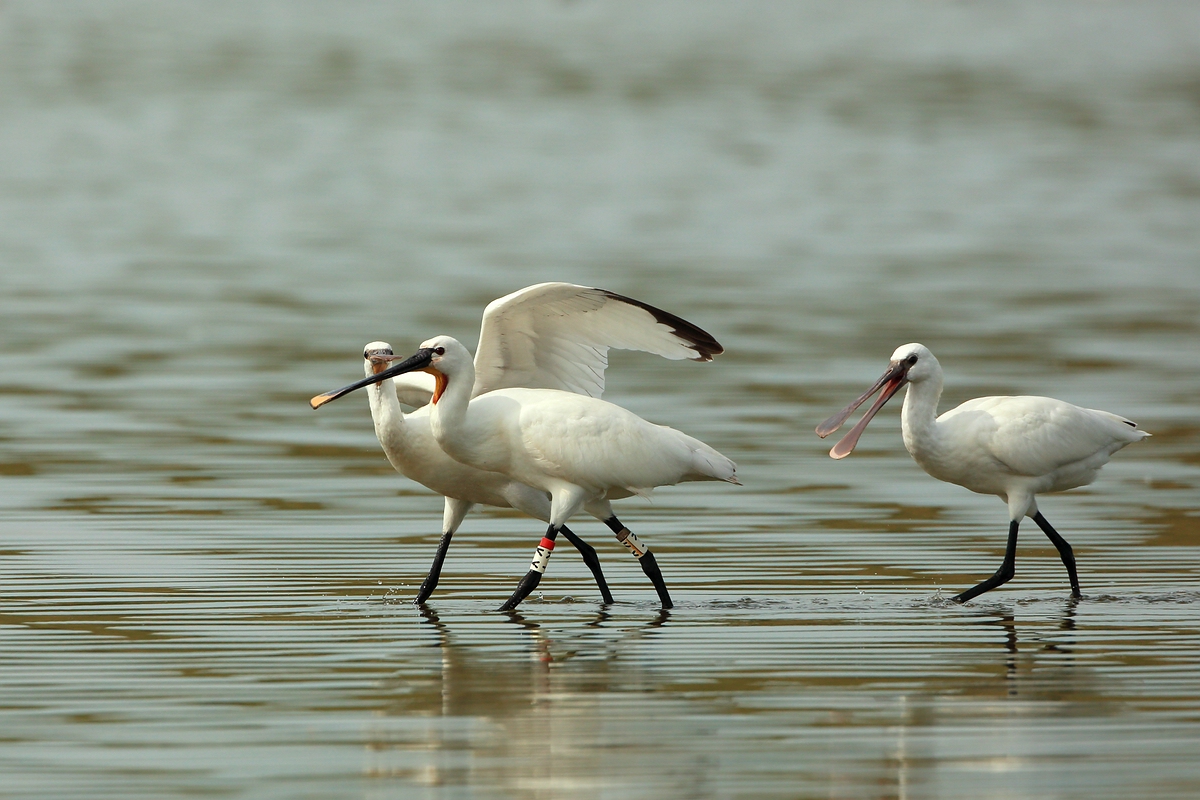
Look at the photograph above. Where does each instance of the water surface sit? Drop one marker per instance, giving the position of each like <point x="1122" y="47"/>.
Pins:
<point x="207" y="211"/>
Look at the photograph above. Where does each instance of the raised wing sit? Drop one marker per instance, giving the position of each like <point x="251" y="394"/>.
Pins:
<point x="557" y="336"/>
<point x="414" y="388"/>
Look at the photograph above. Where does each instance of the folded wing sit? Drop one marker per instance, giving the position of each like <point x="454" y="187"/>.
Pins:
<point x="1038" y="435"/>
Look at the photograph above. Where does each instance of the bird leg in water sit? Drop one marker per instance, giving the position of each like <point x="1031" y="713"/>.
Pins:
<point x="644" y="557"/>
<point x="541" y="559"/>
<point x="586" y="550"/>
<point x="1003" y="575"/>
<point x="592" y="560"/>
<point x="1064" y="551"/>
<point x="435" y="571"/>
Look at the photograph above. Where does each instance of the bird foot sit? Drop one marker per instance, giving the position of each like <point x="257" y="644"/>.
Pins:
<point x="527" y="585"/>
<point x="423" y="593"/>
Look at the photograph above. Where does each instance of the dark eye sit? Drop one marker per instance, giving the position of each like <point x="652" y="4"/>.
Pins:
<point x="441" y="351"/>
<point x="366" y="354"/>
<point x="911" y="359"/>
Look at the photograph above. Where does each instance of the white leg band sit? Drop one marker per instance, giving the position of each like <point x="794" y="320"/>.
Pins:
<point x="541" y="556"/>
<point x="632" y="543"/>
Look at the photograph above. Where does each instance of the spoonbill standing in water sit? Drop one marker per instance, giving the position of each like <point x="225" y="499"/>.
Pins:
<point x="579" y="449"/>
<point x="552" y="336"/>
<point x="1013" y="447"/>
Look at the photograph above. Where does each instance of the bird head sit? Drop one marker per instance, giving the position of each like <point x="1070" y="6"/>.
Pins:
<point x="916" y="361"/>
<point x="910" y="363"/>
<point x="442" y="356"/>
<point x="376" y="357"/>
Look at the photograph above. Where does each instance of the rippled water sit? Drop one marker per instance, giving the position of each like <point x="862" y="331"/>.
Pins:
<point x="207" y="210"/>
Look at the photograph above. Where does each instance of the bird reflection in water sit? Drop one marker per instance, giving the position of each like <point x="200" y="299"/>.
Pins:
<point x="1053" y="677"/>
<point x="515" y="713"/>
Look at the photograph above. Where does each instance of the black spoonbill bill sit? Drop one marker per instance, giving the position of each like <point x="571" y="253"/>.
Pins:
<point x="580" y="450"/>
<point x="1013" y="447"/>
<point x="552" y="335"/>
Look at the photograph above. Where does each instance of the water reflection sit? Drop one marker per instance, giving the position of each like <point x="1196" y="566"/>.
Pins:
<point x="529" y="723"/>
<point x="1038" y="654"/>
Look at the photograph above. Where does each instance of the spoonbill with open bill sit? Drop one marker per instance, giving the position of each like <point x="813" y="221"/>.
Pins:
<point x="552" y="335"/>
<point x="1013" y="447"/>
<point x="579" y="449"/>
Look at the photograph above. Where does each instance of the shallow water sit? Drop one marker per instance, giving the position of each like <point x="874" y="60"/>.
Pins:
<point x="205" y="212"/>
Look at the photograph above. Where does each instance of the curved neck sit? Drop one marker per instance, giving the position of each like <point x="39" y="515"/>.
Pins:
<point x="385" y="410"/>
<point x="919" y="416"/>
<point x="448" y="417"/>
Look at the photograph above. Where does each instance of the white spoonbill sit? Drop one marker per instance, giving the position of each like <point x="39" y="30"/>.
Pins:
<point x="579" y="449"/>
<point x="1013" y="447"/>
<point x="553" y="335"/>
<point x="410" y="447"/>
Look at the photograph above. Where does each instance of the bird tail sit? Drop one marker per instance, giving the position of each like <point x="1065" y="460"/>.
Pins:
<point x="1127" y="429"/>
<point x="711" y="465"/>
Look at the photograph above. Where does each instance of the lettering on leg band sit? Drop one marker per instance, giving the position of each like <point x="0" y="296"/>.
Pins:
<point x="632" y="543"/>
<point x="541" y="556"/>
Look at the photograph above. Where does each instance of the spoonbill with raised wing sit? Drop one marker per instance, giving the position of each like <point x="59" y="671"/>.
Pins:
<point x="579" y="449"/>
<point x="1013" y="447"/>
<point x="552" y="335"/>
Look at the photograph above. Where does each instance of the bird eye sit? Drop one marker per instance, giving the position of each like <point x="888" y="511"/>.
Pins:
<point x="366" y="354"/>
<point x="911" y="359"/>
<point x="441" y="351"/>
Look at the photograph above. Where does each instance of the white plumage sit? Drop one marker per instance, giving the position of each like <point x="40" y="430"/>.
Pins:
<point x="575" y="447"/>
<point x="553" y="335"/>
<point x="408" y="442"/>
<point x="1013" y="447"/>
<point x="578" y="449"/>
<point x="557" y="336"/>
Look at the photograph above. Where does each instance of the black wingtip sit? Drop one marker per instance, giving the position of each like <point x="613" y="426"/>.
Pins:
<point x="697" y="338"/>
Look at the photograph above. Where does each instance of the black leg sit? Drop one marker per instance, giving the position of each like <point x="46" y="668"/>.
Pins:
<point x="435" y="571"/>
<point x="586" y="550"/>
<point x="1003" y="575"/>
<point x="541" y="558"/>
<point x="1064" y="551"/>
<point x="650" y="567"/>
<point x="644" y="557"/>
<point x="593" y="562"/>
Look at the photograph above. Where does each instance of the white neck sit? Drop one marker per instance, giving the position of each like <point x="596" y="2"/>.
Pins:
<point x="386" y="413"/>
<point x="919" y="416"/>
<point x="448" y="417"/>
